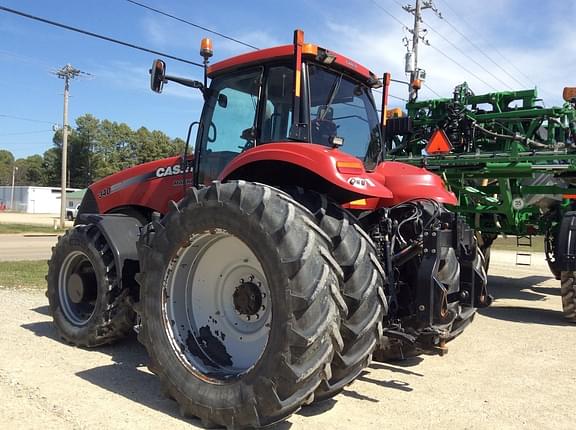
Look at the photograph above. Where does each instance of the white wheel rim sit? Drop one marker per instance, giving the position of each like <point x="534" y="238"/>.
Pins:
<point x="78" y="311"/>
<point x="217" y="305"/>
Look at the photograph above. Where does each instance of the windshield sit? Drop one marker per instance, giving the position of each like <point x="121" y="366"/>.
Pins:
<point x="343" y="107"/>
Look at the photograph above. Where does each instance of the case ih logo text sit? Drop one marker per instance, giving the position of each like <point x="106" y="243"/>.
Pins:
<point x="162" y="172"/>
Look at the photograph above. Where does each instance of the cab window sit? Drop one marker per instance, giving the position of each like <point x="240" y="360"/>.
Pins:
<point x="230" y="128"/>
<point x="277" y="111"/>
<point x="342" y="107"/>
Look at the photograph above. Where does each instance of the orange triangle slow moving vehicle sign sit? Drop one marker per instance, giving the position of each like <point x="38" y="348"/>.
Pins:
<point x="438" y="143"/>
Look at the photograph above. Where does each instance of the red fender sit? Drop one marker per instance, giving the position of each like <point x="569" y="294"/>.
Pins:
<point x="334" y="166"/>
<point x="151" y="185"/>
<point x="391" y="183"/>
<point x="409" y="182"/>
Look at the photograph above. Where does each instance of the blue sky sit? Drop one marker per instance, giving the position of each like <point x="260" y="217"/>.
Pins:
<point x="526" y="42"/>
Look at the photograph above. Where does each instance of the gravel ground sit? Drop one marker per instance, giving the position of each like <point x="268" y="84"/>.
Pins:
<point x="512" y="368"/>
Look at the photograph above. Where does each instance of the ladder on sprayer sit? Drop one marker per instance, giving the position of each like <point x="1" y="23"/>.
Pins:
<point x="523" y="254"/>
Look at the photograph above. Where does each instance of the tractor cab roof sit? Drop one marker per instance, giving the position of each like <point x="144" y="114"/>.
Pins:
<point x="309" y="51"/>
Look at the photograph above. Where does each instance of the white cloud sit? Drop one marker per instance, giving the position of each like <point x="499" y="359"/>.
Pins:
<point x="155" y="31"/>
<point x="548" y="63"/>
<point x="256" y="38"/>
<point x="135" y="77"/>
<point x="164" y="33"/>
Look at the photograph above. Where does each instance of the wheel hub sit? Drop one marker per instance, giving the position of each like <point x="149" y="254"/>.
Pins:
<point x="75" y="288"/>
<point x="247" y="298"/>
<point x="220" y="304"/>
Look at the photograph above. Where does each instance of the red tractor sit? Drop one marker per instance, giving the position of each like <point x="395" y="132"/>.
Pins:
<point x="264" y="271"/>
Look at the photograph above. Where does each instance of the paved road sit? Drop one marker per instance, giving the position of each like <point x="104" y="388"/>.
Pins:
<point x="513" y="368"/>
<point x="14" y="247"/>
<point x="47" y="220"/>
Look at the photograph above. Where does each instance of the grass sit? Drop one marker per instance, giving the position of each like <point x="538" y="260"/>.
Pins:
<point x="29" y="274"/>
<point x="26" y="228"/>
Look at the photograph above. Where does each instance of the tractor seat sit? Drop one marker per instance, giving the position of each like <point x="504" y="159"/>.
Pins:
<point x="323" y="127"/>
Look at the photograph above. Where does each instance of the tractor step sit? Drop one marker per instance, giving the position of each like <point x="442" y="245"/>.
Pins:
<point x="524" y="241"/>
<point x="523" y="258"/>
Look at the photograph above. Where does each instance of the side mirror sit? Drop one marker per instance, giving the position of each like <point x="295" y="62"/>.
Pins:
<point x="157" y="75"/>
<point x="222" y="101"/>
<point x="569" y="94"/>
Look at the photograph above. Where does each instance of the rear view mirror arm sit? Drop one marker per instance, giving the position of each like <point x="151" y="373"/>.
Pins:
<point x="187" y="83"/>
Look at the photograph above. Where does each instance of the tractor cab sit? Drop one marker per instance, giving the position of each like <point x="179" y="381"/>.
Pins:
<point x="298" y="93"/>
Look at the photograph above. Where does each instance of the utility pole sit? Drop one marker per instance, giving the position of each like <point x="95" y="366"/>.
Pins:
<point x="417" y="75"/>
<point x="14" y="170"/>
<point x="67" y="73"/>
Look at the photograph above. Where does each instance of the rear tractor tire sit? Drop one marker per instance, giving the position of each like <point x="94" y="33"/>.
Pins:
<point x="239" y="304"/>
<point x="568" y="293"/>
<point x="363" y="290"/>
<point x="88" y="305"/>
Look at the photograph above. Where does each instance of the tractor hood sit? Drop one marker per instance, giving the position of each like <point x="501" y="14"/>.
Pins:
<point x="409" y="182"/>
<point x="163" y="179"/>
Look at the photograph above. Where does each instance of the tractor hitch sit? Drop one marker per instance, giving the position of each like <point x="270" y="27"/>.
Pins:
<point x="438" y="281"/>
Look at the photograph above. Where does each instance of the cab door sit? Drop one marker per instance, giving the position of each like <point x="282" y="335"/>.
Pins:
<point x="229" y="119"/>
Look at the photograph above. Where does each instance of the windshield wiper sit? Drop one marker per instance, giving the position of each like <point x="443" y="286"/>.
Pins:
<point x="331" y="97"/>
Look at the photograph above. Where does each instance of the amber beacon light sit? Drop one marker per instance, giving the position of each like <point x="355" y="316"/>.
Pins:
<point x="206" y="48"/>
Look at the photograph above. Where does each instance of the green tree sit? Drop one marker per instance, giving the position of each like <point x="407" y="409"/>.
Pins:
<point x="113" y="151"/>
<point x="6" y="165"/>
<point x="152" y="145"/>
<point x="79" y="151"/>
<point x="81" y="159"/>
<point x="30" y="171"/>
<point x="99" y="148"/>
<point x="51" y="165"/>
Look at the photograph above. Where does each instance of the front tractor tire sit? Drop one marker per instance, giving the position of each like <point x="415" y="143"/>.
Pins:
<point x="240" y="304"/>
<point x="568" y="293"/>
<point x="363" y="290"/>
<point x="86" y="300"/>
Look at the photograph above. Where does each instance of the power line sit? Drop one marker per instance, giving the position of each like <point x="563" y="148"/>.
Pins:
<point x="9" y="144"/>
<point x="459" y="50"/>
<point x="25" y="132"/>
<point x="467" y="24"/>
<point x="130" y="45"/>
<point x="461" y="66"/>
<point x="397" y="98"/>
<point x="25" y="59"/>
<point x="404" y="27"/>
<point x="471" y="42"/>
<point x="390" y="95"/>
<point x="27" y="119"/>
<point x="432" y="91"/>
<point x="417" y="35"/>
<point x="158" y="11"/>
<point x="98" y="36"/>
<point x="468" y="56"/>
<point x="418" y="19"/>
<point x="379" y="6"/>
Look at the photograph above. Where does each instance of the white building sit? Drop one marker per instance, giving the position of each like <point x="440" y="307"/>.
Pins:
<point x="40" y="200"/>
